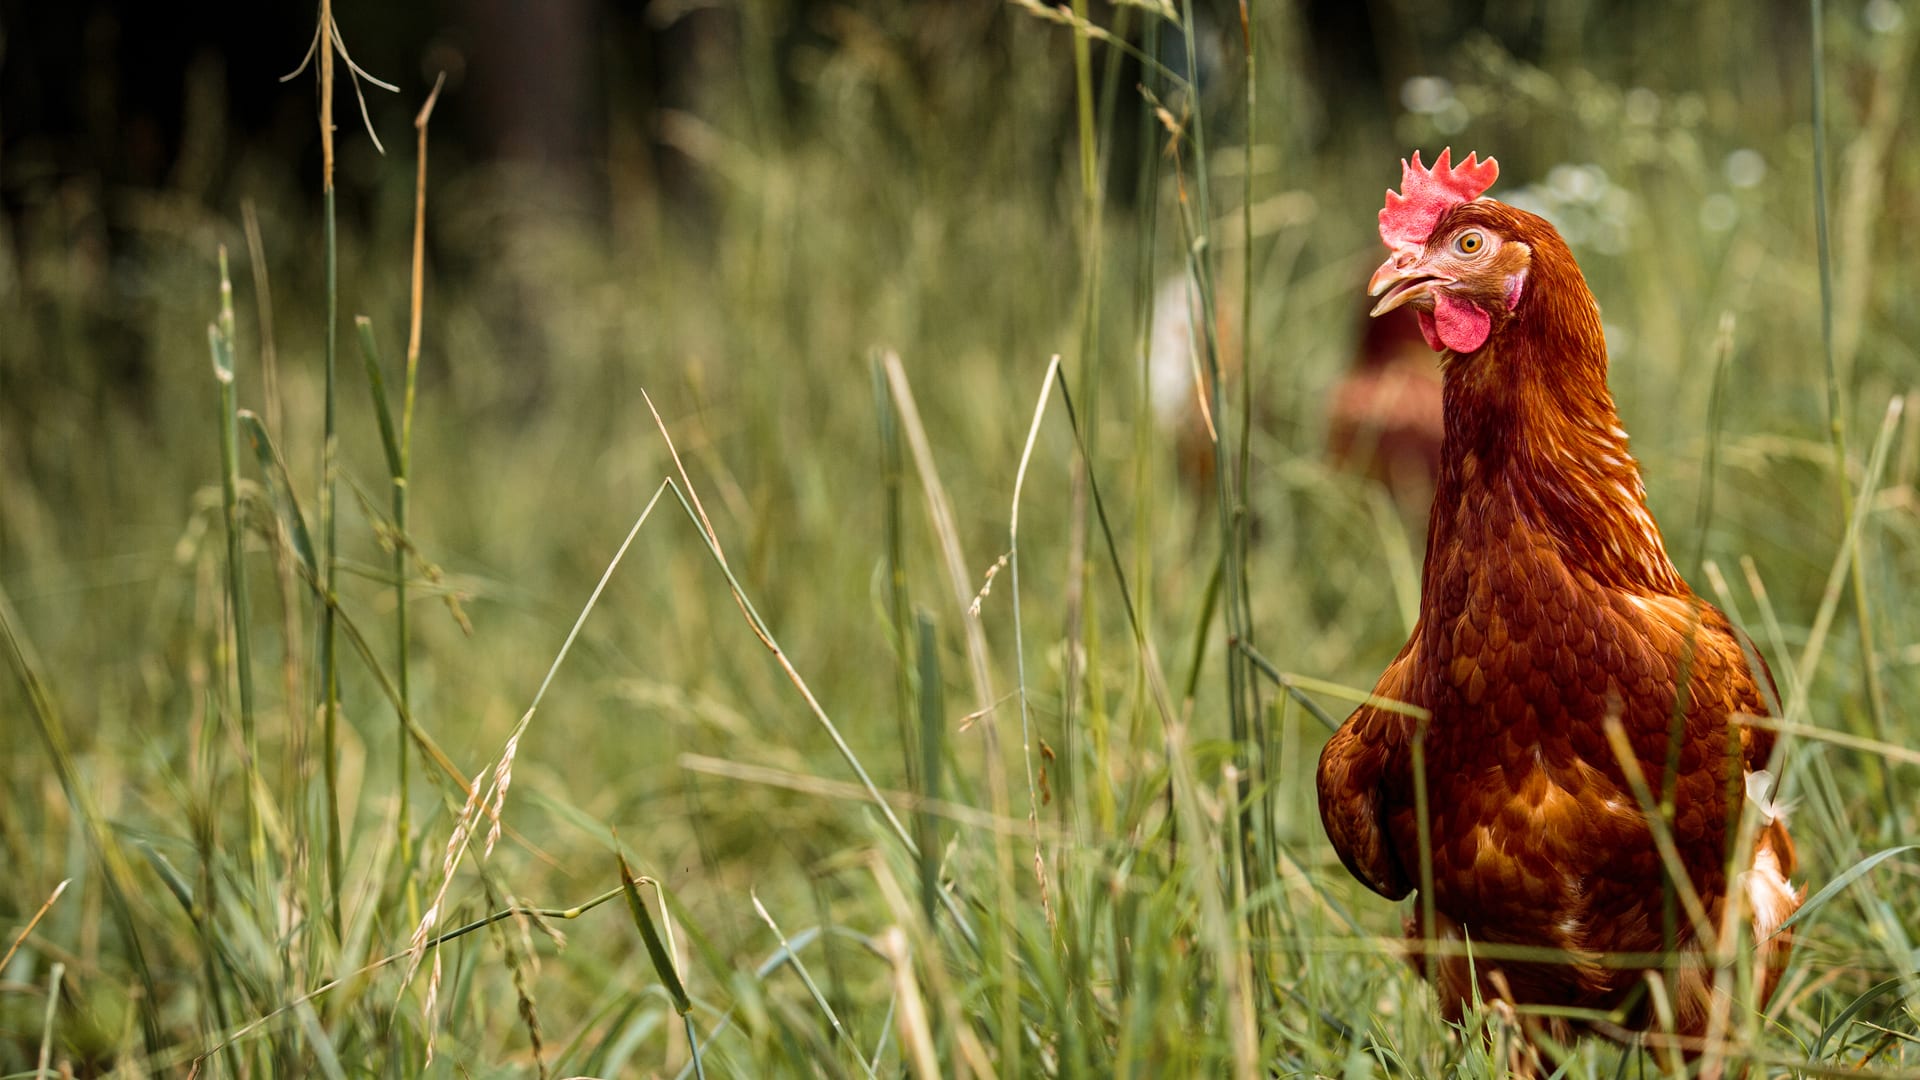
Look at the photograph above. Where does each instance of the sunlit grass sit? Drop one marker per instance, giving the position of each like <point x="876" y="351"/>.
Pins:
<point x="905" y="811"/>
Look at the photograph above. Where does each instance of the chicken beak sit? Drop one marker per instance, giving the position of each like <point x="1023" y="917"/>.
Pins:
<point x="1403" y="277"/>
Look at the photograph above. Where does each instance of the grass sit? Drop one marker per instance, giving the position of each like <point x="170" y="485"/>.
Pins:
<point x="876" y="805"/>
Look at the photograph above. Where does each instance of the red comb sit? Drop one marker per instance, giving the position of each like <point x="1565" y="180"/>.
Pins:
<point x="1425" y="194"/>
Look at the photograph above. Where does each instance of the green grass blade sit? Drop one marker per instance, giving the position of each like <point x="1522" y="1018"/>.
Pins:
<point x="329" y="675"/>
<point x="54" y="977"/>
<point x="899" y="610"/>
<point x="220" y="343"/>
<point x="180" y="887"/>
<point x="280" y="489"/>
<point x="377" y="384"/>
<point x="656" y="949"/>
<point x="397" y="454"/>
<point x="1841" y="880"/>
<point x="933" y="726"/>
<point x="662" y="960"/>
<point x="1844" y="560"/>
<point x="806" y="979"/>
<point x="772" y="645"/>
<point x="1840" y="1021"/>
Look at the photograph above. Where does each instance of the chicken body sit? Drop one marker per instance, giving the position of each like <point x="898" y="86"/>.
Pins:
<point x="1548" y="608"/>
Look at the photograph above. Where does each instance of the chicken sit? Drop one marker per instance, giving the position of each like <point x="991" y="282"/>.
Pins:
<point x="1384" y="413"/>
<point x="1177" y="385"/>
<point x="1548" y="609"/>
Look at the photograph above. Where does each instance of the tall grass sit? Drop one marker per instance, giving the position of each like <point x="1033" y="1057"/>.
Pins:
<point x="900" y="518"/>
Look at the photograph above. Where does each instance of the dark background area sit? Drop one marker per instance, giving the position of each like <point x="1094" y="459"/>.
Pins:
<point x="567" y="108"/>
<point x="122" y="93"/>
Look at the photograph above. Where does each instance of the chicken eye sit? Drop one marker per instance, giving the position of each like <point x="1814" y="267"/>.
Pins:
<point x="1469" y="243"/>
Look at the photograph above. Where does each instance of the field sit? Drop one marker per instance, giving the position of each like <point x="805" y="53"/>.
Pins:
<point x="769" y="663"/>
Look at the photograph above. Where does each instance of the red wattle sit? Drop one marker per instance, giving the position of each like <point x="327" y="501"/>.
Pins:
<point x="1427" y="331"/>
<point x="1459" y="325"/>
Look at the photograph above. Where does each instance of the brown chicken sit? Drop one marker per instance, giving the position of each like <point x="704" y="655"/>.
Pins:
<point x="1384" y="414"/>
<point x="1548" y="608"/>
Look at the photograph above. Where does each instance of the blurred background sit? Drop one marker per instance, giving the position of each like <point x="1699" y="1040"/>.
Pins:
<point x="736" y="205"/>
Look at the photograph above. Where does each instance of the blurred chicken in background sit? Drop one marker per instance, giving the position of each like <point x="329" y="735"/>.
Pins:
<point x="1176" y="377"/>
<point x="1384" y="411"/>
<point x="1384" y="418"/>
